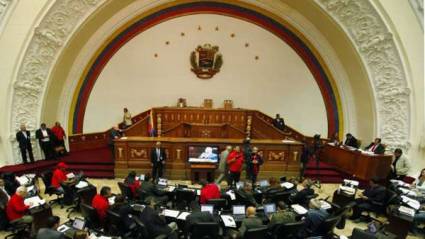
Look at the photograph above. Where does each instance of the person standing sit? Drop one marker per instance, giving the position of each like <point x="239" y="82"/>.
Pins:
<point x="158" y="158"/>
<point x="45" y="138"/>
<point x="400" y="166"/>
<point x="60" y="136"/>
<point x="115" y="133"/>
<point x="222" y="166"/>
<point x="278" y="122"/>
<point x="351" y="141"/>
<point x="247" y="151"/>
<point x="235" y="162"/>
<point x="24" y="139"/>
<point x="255" y="162"/>
<point x="127" y="118"/>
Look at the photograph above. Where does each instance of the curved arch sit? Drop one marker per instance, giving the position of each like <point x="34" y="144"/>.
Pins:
<point x="277" y="27"/>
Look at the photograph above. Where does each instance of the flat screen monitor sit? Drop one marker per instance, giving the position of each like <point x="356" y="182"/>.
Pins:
<point x="207" y="208"/>
<point x="238" y="210"/>
<point x="203" y="154"/>
<point x="78" y="223"/>
<point x="269" y="208"/>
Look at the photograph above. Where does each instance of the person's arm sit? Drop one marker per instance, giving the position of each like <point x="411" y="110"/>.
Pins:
<point x="242" y="229"/>
<point x="20" y="207"/>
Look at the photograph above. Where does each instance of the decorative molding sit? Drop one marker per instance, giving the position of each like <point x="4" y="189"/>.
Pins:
<point x="418" y="9"/>
<point x="378" y="50"/>
<point x="47" y="42"/>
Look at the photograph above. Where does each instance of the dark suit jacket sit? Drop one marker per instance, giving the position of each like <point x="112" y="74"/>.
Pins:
<point x="301" y="196"/>
<point x="123" y="210"/>
<point x="47" y="233"/>
<point x="3" y="198"/>
<point x="377" y="194"/>
<point x="197" y="217"/>
<point x="279" y="123"/>
<point x="248" y="197"/>
<point x="352" y="142"/>
<point x="378" y="150"/>
<point x="154" y="156"/>
<point x="39" y="134"/>
<point x="150" y="190"/>
<point x="23" y="141"/>
<point x="155" y="224"/>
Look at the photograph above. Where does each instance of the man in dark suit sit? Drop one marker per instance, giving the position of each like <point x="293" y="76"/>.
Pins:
<point x="375" y="193"/>
<point x="278" y="122"/>
<point x="302" y="196"/>
<point x="24" y="139"/>
<point x="149" y="191"/>
<point x="351" y="141"/>
<point x="115" y="133"/>
<point x="158" y="158"/>
<point x="50" y="232"/>
<point x="376" y="147"/>
<point x="45" y="138"/>
<point x="247" y="194"/>
<point x="156" y="224"/>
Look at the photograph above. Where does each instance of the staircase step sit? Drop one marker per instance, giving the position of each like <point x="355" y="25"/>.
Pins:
<point x="91" y="167"/>
<point x="99" y="174"/>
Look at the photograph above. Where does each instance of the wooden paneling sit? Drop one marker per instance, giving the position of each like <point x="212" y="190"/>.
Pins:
<point x="360" y="165"/>
<point x="88" y="141"/>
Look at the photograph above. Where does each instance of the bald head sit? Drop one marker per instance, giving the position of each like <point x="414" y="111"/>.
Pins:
<point x="250" y="212"/>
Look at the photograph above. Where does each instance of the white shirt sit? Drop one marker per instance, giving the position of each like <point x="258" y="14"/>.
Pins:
<point x="45" y="136"/>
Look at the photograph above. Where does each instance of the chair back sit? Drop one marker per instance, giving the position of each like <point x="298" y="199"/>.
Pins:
<point x="327" y="226"/>
<point x="87" y="194"/>
<point x="256" y="233"/>
<point x="219" y="203"/>
<point x="125" y="190"/>
<point x="280" y="196"/>
<point x="185" y="195"/>
<point x="360" y="234"/>
<point x="204" y="230"/>
<point x="141" y="228"/>
<point x="47" y="180"/>
<point x="115" y="223"/>
<point x="288" y="230"/>
<point x="90" y="214"/>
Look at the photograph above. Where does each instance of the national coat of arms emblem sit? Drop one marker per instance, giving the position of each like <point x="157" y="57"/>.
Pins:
<point x="206" y="61"/>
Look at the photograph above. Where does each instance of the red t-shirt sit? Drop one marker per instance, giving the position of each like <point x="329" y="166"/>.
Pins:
<point x="210" y="191"/>
<point x="58" y="177"/>
<point x="235" y="166"/>
<point x="101" y="204"/>
<point x="58" y="132"/>
<point x="134" y="186"/>
<point x="16" y="208"/>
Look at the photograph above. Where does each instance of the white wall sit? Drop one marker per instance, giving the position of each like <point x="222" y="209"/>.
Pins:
<point x="278" y="81"/>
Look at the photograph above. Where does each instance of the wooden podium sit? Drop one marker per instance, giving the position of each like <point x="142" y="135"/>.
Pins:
<point x="202" y="171"/>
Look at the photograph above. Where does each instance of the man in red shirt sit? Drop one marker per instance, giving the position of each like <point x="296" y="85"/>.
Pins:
<point x="235" y="161"/>
<point x="60" y="136"/>
<point x="16" y="210"/>
<point x="133" y="183"/>
<point x="59" y="176"/>
<point x="208" y="191"/>
<point x="100" y="202"/>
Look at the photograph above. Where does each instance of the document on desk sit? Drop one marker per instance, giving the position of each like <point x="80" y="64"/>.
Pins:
<point x="407" y="211"/>
<point x="183" y="216"/>
<point x="408" y="192"/>
<point x="22" y="180"/>
<point x="36" y="201"/>
<point x="415" y="204"/>
<point x="171" y="213"/>
<point x="170" y="189"/>
<point x="82" y="184"/>
<point x="299" y="209"/>
<point x="111" y="200"/>
<point x="325" y="205"/>
<point x="62" y="228"/>
<point x="70" y="175"/>
<point x="228" y="221"/>
<point x="231" y="194"/>
<point x="287" y="185"/>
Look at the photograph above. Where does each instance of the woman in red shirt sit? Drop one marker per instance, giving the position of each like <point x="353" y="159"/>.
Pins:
<point x="101" y="204"/>
<point x="133" y="183"/>
<point x="235" y="162"/>
<point x="209" y="191"/>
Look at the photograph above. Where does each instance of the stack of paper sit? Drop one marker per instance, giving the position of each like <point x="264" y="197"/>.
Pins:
<point x="299" y="209"/>
<point x="325" y="205"/>
<point x="351" y="183"/>
<point x="36" y="201"/>
<point x="171" y="213"/>
<point x="23" y="180"/>
<point x="70" y="175"/>
<point x="347" y="190"/>
<point x="183" y="216"/>
<point x="111" y="200"/>
<point x="415" y="204"/>
<point x="228" y="221"/>
<point x="407" y="211"/>
<point x="82" y="184"/>
<point x="287" y="185"/>
<point x="408" y="192"/>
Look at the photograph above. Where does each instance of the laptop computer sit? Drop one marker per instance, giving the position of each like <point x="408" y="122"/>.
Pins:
<point x="269" y="208"/>
<point x="162" y="182"/>
<point x="77" y="224"/>
<point x="238" y="212"/>
<point x="207" y="208"/>
<point x="263" y="183"/>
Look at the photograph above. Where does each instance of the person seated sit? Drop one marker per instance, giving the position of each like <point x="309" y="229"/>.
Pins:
<point x="132" y="183"/>
<point x="10" y="183"/>
<point x="278" y="122"/>
<point x="314" y="218"/>
<point x="4" y="196"/>
<point x="282" y="216"/>
<point x="148" y="190"/>
<point x="247" y="194"/>
<point x="122" y="208"/>
<point x="16" y="210"/>
<point x="209" y="191"/>
<point x="274" y="186"/>
<point x="224" y="187"/>
<point x="375" y="193"/>
<point x="100" y="202"/>
<point x="156" y="224"/>
<point x="400" y="166"/>
<point x="50" y="232"/>
<point x="59" y="177"/>
<point x="250" y="222"/>
<point x="376" y="147"/>
<point x="420" y="181"/>
<point x="80" y="234"/>
<point x="302" y="196"/>
<point x="335" y="139"/>
<point x="197" y="216"/>
<point x="351" y="141"/>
